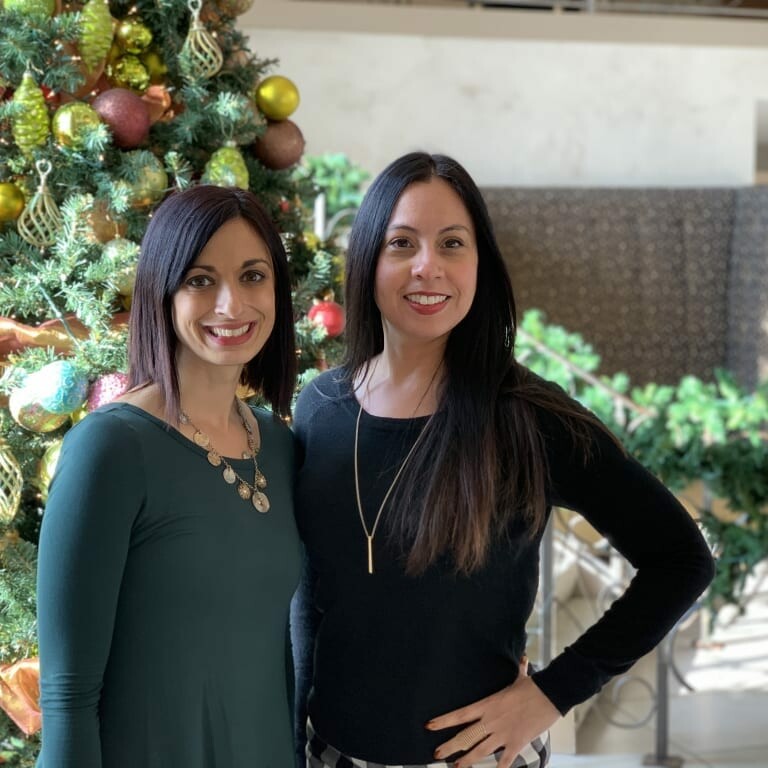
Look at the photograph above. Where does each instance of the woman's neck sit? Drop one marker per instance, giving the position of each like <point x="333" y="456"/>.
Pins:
<point x="402" y="382"/>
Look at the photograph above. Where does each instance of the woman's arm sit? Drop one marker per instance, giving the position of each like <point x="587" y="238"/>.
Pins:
<point x="647" y="525"/>
<point x="95" y="495"/>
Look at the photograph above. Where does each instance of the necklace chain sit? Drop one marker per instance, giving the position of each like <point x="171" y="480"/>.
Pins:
<point x="369" y="535"/>
<point x="247" y="491"/>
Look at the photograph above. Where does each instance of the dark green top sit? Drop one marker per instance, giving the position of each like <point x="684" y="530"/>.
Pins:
<point x="163" y="601"/>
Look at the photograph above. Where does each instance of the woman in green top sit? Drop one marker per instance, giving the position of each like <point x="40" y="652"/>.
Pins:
<point x="168" y="551"/>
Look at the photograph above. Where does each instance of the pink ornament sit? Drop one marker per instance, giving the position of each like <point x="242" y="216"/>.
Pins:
<point x="106" y="389"/>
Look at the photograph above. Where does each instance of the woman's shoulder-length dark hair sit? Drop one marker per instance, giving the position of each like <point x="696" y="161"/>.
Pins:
<point x="178" y="231"/>
<point x="492" y="315"/>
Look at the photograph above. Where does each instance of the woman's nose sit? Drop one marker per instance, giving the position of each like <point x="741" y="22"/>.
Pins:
<point x="426" y="263"/>
<point x="228" y="300"/>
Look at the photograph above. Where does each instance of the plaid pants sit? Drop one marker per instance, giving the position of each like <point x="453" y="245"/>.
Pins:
<point x="323" y="755"/>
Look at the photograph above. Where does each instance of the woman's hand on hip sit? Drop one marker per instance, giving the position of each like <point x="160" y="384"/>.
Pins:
<point x="509" y="720"/>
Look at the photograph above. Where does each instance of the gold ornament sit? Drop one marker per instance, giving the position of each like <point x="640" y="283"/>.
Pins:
<point x="277" y="97"/>
<point x="40" y="220"/>
<point x="133" y="36"/>
<point x="151" y="184"/>
<point x="155" y="66"/>
<point x="104" y="227"/>
<point x="96" y="37"/>
<point x="200" y="58"/>
<point x="11" y="201"/>
<point x="11" y="482"/>
<point x="128" y="72"/>
<point x="31" y="126"/>
<point x="226" y="168"/>
<point x="44" y="8"/>
<point x="71" y="121"/>
<point x="47" y="467"/>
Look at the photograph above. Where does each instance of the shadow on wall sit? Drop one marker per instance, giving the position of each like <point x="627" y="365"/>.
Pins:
<point x="662" y="282"/>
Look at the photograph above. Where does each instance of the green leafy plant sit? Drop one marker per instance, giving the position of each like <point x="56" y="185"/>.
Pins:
<point x="713" y="432"/>
<point x="337" y="177"/>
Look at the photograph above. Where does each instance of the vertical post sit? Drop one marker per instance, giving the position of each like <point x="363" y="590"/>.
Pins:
<point x="546" y="610"/>
<point x="661" y="756"/>
<point x="319" y="216"/>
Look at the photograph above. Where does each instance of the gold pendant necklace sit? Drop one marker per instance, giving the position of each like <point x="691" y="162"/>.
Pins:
<point x="247" y="491"/>
<point x="369" y="535"/>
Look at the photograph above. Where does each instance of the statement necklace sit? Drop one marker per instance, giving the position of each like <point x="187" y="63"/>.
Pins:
<point x="370" y="534"/>
<point x="245" y="490"/>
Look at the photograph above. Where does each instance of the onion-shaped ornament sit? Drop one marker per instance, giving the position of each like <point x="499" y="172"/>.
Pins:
<point x="40" y="220"/>
<point x="200" y="58"/>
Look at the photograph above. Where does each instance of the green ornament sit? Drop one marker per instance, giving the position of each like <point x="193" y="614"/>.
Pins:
<point x="31" y="126"/>
<point x="129" y="72"/>
<point x="133" y="36"/>
<point x="226" y="168"/>
<point x="96" y="35"/>
<point x="43" y="8"/>
<point x="71" y="120"/>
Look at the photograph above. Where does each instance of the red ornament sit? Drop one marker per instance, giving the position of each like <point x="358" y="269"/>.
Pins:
<point x="126" y="115"/>
<point x="328" y="315"/>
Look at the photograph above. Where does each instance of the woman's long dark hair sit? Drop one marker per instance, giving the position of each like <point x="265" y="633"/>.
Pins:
<point x="178" y="231"/>
<point x="482" y="463"/>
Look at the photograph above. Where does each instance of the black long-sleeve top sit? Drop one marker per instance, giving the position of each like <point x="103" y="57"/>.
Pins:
<point x="392" y="651"/>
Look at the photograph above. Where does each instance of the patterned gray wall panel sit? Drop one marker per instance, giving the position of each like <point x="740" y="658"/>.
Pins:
<point x="747" y="350"/>
<point x="641" y="274"/>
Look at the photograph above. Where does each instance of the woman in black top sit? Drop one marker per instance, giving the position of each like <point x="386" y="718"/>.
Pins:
<point x="432" y="459"/>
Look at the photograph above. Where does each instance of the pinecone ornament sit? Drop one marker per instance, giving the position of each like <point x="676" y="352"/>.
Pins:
<point x="96" y="38"/>
<point x="32" y="125"/>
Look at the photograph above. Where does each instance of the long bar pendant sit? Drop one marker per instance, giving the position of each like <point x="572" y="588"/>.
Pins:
<point x="370" y="553"/>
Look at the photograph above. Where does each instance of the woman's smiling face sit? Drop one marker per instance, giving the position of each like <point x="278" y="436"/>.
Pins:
<point x="224" y="310"/>
<point x="426" y="274"/>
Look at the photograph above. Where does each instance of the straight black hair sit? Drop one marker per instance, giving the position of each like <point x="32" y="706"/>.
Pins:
<point x="179" y="229"/>
<point x="482" y="462"/>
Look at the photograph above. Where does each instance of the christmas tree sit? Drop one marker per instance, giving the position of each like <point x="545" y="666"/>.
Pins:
<point x="106" y="108"/>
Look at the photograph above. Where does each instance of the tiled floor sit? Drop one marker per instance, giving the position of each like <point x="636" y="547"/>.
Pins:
<point x="723" y="723"/>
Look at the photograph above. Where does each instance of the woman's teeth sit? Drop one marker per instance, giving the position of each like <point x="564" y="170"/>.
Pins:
<point x="230" y="331"/>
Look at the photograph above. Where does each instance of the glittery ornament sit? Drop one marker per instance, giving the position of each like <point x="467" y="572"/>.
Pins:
<point x="27" y="412"/>
<point x="128" y="72"/>
<point x="42" y="8"/>
<point x="96" y="37"/>
<point x="281" y="146"/>
<point x="277" y="97"/>
<point x="11" y="482"/>
<point x="11" y="201"/>
<point x="60" y="386"/>
<point x="31" y="126"/>
<point x="133" y="36"/>
<point x="47" y="467"/>
<point x="201" y="57"/>
<point x="39" y="222"/>
<point x="234" y="8"/>
<point x="226" y="168"/>
<point x="71" y="123"/>
<point x="126" y="115"/>
<point x="106" y="389"/>
<point x="104" y="226"/>
<point x="151" y="184"/>
<point x="155" y="65"/>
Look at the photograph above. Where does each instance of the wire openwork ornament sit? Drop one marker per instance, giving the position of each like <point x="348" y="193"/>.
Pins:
<point x="11" y="481"/>
<point x="40" y="220"/>
<point x="201" y="56"/>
